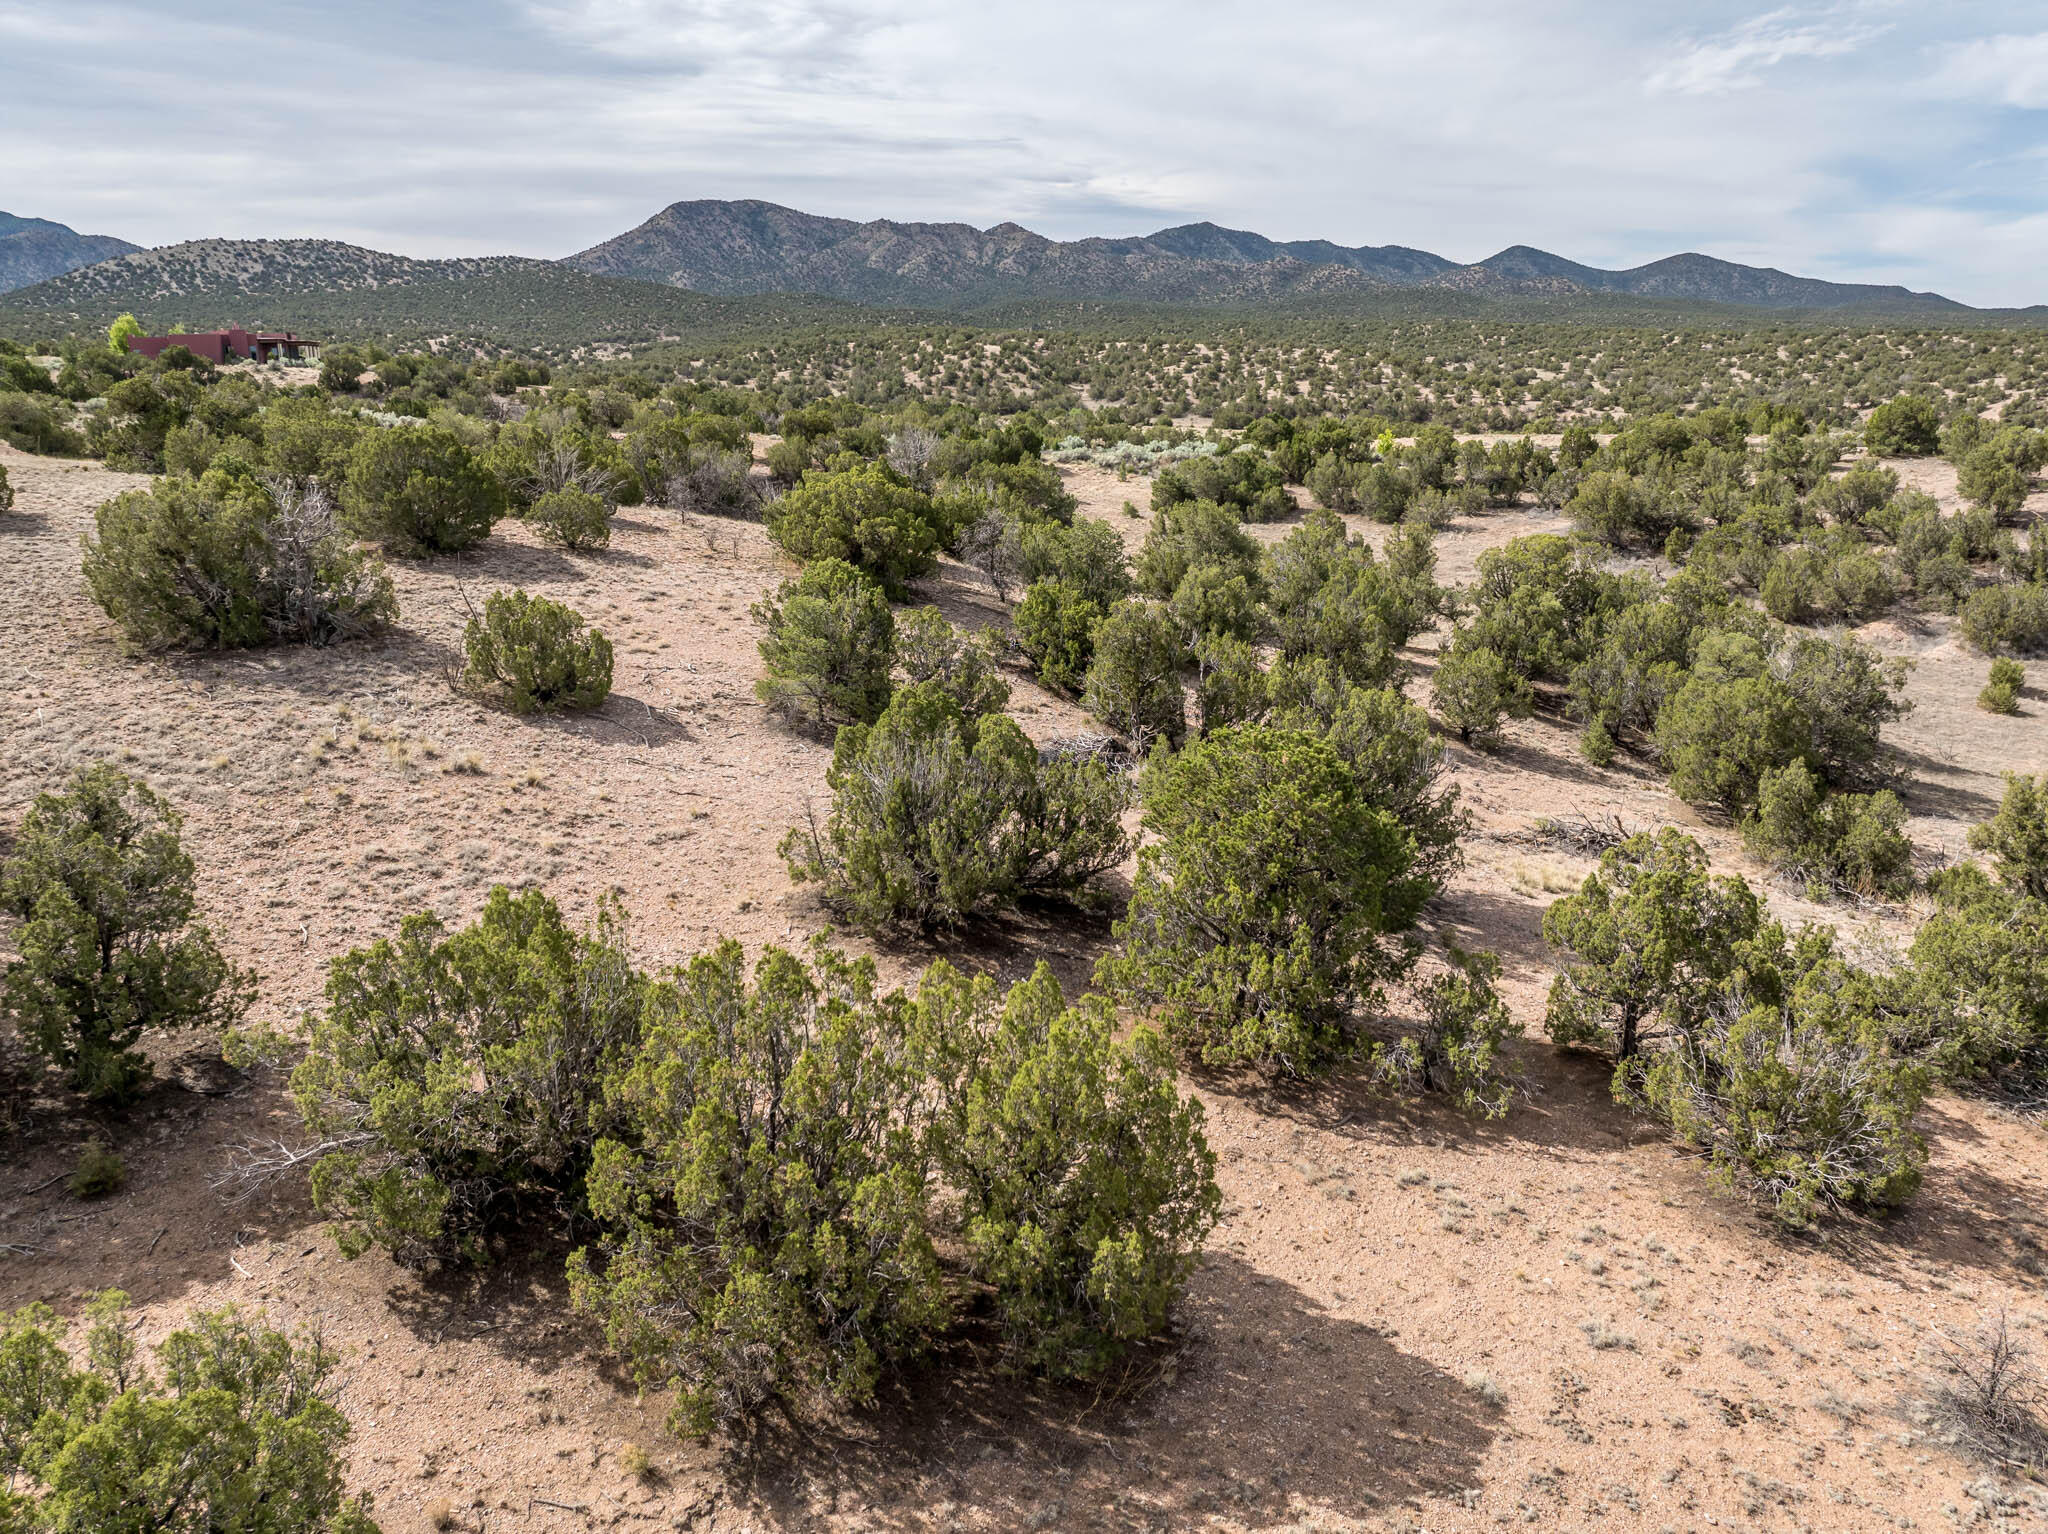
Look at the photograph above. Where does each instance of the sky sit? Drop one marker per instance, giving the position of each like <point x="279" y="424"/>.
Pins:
<point x="1867" y="140"/>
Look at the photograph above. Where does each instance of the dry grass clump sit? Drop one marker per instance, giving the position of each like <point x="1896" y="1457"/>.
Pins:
<point x="1989" y="1403"/>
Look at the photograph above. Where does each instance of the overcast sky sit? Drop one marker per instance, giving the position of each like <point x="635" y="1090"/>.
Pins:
<point x="1865" y="140"/>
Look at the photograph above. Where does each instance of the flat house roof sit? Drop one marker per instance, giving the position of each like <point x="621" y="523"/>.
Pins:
<point x="219" y="345"/>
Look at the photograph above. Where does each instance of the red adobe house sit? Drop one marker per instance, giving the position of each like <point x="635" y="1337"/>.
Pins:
<point x="232" y="345"/>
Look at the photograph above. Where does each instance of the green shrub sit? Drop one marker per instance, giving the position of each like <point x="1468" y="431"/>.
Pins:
<point x="572" y="519"/>
<point x="1133" y="682"/>
<point x="1649" y="937"/>
<point x="2007" y="619"/>
<point x="1086" y="1185"/>
<point x="36" y="425"/>
<point x="1475" y="690"/>
<point x="1793" y="1091"/>
<point x="865" y="516"/>
<point x="6" y="491"/>
<point x="1333" y="599"/>
<point x="2017" y="836"/>
<point x="1729" y="724"/>
<point x="100" y="1171"/>
<point x="765" y="1212"/>
<point x="1847" y="693"/>
<point x="938" y="816"/>
<point x="1243" y="481"/>
<point x="1625" y="513"/>
<point x="305" y="440"/>
<point x="550" y="451"/>
<point x="1908" y="426"/>
<point x="2001" y="694"/>
<point x="457" y="1079"/>
<point x="234" y="1429"/>
<point x="930" y="649"/>
<point x="1456" y="1047"/>
<point x="1187" y="534"/>
<point x="1973" y="998"/>
<point x="1213" y="600"/>
<point x="537" y="654"/>
<point x="1056" y="624"/>
<point x="1998" y="475"/>
<point x="1850" y="843"/>
<point x="1261" y="911"/>
<point x="226" y="563"/>
<point x="1857" y="494"/>
<point x="829" y="647"/>
<point x="109" y="947"/>
<point x="1542" y="604"/>
<point x="420" y="490"/>
<point x="1088" y="555"/>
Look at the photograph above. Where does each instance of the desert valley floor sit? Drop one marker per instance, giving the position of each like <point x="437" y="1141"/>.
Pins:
<point x="1406" y="1321"/>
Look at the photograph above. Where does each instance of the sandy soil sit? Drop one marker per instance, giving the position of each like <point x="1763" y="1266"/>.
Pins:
<point x="1406" y="1321"/>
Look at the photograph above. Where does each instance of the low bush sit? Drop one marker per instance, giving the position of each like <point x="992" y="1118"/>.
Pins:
<point x="1056" y="624"/>
<point x="1648" y="938"/>
<point x="1626" y="513"/>
<point x="1767" y="1052"/>
<point x="1797" y="1098"/>
<point x="765" y="1215"/>
<point x="2001" y="694"/>
<point x="227" y="563"/>
<point x="768" y="1219"/>
<point x="1086" y="1185"/>
<point x="1087" y="555"/>
<point x="233" y="1429"/>
<point x="6" y="491"/>
<point x="1262" y="910"/>
<point x="536" y="654"/>
<point x="866" y="516"/>
<point x="965" y="667"/>
<point x="571" y="519"/>
<point x="1456" y="1047"/>
<point x="1475" y="690"/>
<point x="1187" y="535"/>
<point x="109" y="946"/>
<point x="1243" y="481"/>
<point x="938" y="816"/>
<point x="1973" y="999"/>
<point x="1729" y="724"/>
<point x="2007" y="619"/>
<point x="1908" y="426"/>
<point x="719" y="482"/>
<point x="1837" y="843"/>
<point x="2017" y="836"/>
<point x="455" y="1081"/>
<point x="829" y="646"/>
<point x="420" y="490"/>
<point x="1332" y="598"/>
<point x="36" y="425"/>
<point x="101" y="1170"/>
<point x="1133" y="682"/>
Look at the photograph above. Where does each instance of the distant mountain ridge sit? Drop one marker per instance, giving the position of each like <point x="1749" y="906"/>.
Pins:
<point x="747" y="247"/>
<point x="331" y="291"/>
<point x="34" y="250"/>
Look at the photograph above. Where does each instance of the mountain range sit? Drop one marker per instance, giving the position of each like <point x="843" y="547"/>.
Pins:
<point x="716" y="264"/>
<point x="759" y="247"/>
<point x="34" y="250"/>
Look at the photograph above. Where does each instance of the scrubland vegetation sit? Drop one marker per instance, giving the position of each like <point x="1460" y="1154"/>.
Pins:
<point x="774" y="1182"/>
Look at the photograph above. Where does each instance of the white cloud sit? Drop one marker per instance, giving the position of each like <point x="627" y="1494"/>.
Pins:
<point x="2010" y="70"/>
<point x="1738" y="58"/>
<point x="543" y="126"/>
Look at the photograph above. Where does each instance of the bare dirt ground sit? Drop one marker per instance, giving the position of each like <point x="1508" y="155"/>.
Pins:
<point x="1406" y="1321"/>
